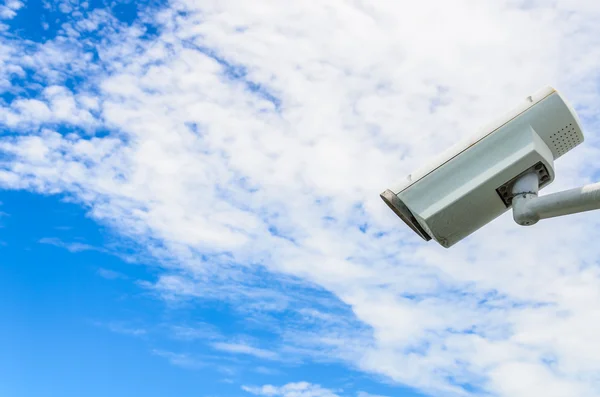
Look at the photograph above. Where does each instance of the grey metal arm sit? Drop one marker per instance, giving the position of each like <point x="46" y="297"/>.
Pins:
<point x="528" y="208"/>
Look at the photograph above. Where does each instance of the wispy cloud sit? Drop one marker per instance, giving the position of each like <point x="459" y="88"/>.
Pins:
<point x="179" y="359"/>
<point x="110" y="274"/>
<point x="298" y="389"/>
<point x="365" y="394"/>
<point x="246" y="150"/>
<point x="245" y="349"/>
<point x="266" y="371"/>
<point x="121" y="328"/>
<point x="199" y="331"/>
<point x="70" y="246"/>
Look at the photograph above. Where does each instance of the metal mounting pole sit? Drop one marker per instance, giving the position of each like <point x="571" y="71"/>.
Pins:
<point x="528" y="208"/>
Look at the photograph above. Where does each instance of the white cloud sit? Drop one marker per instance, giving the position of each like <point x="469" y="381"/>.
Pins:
<point x="121" y="328"/>
<point x="242" y="348"/>
<point x="9" y="9"/>
<point x="253" y="138"/>
<point x="299" y="389"/>
<point x="110" y="274"/>
<point x="365" y="394"/>
<point x="14" y="4"/>
<point x="200" y="331"/>
<point x="179" y="359"/>
<point x="71" y="246"/>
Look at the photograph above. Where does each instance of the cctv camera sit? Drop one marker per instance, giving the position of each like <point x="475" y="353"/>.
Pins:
<point x="501" y="167"/>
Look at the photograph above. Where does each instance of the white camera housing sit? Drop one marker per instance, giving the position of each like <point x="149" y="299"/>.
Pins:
<point x="471" y="184"/>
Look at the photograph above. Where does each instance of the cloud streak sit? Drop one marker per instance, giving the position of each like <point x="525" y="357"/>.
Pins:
<point x="110" y="274"/>
<point x="299" y="389"/>
<point x="179" y="359"/>
<point x="70" y="246"/>
<point x="242" y="348"/>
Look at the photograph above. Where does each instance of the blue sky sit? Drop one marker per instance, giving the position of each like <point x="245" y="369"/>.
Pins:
<point x="189" y="200"/>
<point x="80" y="323"/>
